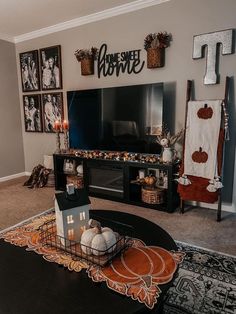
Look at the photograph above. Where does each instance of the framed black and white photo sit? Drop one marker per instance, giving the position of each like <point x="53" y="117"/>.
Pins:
<point x="52" y="110"/>
<point x="69" y="166"/>
<point x="29" y="66"/>
<point x="51" y="72"/>
<point x="32" y="113"/>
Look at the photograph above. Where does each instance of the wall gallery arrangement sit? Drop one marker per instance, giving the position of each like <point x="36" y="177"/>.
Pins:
<point x="46" y="75"/>
<point x="41" y="111"/>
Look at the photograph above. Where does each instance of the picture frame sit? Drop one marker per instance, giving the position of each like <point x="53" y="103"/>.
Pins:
<point x="52" y="110"/>
<point x="32" y="113"/>
<point x="69" y="166"/>
<point x="29" y="67"/>
<point x="50" y="68"/>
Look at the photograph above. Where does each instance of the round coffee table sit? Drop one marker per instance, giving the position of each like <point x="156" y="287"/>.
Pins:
<point x="29" y="284"/>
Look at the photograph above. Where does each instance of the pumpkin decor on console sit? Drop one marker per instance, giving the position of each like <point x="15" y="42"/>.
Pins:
<point x="166" y="140"/>
<point x="87" y="57"/>
<point x="150" y="180"/>
<point x="155" y="44"/>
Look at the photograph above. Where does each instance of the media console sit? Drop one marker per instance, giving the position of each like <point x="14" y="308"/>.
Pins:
<point x="117" y="179"/>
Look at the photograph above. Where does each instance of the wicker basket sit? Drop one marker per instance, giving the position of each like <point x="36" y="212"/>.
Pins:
<point x="87" y="66"/>
<point x="152" y="195"/>
<point x="155" y="57"/>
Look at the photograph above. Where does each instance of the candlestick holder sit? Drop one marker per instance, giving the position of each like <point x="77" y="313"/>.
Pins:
<point x="66" y="140"/>
<point x="58" y="142"/>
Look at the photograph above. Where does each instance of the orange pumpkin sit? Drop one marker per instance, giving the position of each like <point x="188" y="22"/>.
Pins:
<point x="142" y="264"/>
<point x="200" y="156"/>
<point x="150" y="180"/>
<point x="138" y="272"/>
<point x="205" y="112"/>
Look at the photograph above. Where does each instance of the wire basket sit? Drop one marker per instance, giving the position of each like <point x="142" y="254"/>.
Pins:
<point x="49" y="237"/>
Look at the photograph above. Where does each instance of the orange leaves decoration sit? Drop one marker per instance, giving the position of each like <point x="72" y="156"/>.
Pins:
<point x="205" y="112"/>
<point x="200" y="156"/>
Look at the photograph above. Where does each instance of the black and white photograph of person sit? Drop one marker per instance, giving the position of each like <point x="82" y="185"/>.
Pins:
<point x="52" y="110"/>
<point x="32" y="113"/>
<point x="50" y="61"/>
<point x="29" y="71"/>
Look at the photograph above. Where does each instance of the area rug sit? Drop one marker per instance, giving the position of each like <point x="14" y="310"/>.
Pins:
<point x="206" y="283"/>
<point x="206" y="280"/>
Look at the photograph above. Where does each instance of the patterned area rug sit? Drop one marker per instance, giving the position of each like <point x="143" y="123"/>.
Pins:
<point x="206" y="283"/>
<point x="206" y="280"/>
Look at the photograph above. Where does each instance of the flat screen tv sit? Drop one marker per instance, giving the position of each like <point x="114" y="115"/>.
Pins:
<point x="125" y="118"/>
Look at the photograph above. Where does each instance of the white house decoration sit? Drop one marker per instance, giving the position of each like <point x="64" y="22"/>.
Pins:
<point x="72" y="213"/>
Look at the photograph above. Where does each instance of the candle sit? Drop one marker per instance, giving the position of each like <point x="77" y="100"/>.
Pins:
<point x="65" y="125"/>
<point x="57" y="125"/>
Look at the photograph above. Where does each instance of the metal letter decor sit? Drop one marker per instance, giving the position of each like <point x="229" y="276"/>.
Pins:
<point x="211" y="40"/>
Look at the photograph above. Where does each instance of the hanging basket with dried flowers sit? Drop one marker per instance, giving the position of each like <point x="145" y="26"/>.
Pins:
<point x="87" y="57"/>
<point x="155" y="44"/>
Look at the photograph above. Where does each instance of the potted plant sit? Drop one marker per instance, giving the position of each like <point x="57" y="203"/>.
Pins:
<point x="87" y="57"/>
<point x="155" y="44"/>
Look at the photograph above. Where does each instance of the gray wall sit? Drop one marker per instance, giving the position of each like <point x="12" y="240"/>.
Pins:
<point x="184" y="19"/>
<point x="11" y="142"/>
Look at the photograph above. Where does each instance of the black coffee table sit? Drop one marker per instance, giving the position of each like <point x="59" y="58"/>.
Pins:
<point x="29" y="284"/>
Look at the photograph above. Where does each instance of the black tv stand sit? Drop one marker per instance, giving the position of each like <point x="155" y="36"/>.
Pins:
<point x="116" y="180"/>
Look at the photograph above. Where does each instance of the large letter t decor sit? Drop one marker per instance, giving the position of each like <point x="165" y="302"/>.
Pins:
<point x="212" y="40"/>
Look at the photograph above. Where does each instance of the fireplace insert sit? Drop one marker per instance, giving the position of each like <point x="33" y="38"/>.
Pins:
<point x="106" y="179"/>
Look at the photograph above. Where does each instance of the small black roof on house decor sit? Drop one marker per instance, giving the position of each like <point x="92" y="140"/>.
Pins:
<point x="66" y="201"/>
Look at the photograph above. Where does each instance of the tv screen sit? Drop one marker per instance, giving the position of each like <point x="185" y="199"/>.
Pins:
<point x="125" y="118"/>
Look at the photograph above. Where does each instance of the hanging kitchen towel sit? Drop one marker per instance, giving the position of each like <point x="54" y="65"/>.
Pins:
<point x="201" y="139"/>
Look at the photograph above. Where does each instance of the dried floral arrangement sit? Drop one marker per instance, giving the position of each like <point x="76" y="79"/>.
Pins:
<point x="157" y="40"/>
<point x="86" y="53"/>
<point x="168" y="140"/>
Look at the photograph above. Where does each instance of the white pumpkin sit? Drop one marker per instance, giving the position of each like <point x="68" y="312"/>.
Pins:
<point x="86" y="240"/>
<point x="97" y="240"/>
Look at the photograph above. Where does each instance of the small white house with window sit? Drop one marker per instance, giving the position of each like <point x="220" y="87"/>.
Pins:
<point x="72" y="212"/>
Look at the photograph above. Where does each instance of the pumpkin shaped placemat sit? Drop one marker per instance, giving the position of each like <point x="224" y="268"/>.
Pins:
<point x="138" y="272"/>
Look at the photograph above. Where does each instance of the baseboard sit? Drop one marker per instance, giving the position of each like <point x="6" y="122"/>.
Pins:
<point x="226" y="208"/>
<point x="14" y="176"/>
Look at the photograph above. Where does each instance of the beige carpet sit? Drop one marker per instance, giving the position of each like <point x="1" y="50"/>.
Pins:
<point x="197" y="226"/>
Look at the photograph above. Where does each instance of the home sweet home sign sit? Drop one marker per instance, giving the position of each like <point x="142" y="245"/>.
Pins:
<point x="119" y="62"/>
